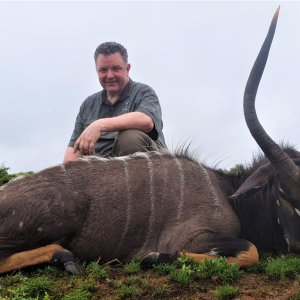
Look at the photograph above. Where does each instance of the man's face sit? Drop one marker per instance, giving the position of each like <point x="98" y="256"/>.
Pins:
<point x="113" y="73"/>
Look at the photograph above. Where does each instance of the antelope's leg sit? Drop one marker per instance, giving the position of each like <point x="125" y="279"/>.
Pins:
<point x="245" y="259"/>
<point x="237" y="251"/>
<point x="210" y="246"/>
<point x="155" y="258"/>
<point x="47" y="254"/>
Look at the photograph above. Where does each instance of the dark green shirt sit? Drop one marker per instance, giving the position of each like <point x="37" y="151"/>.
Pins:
<point x="135" y="97"/>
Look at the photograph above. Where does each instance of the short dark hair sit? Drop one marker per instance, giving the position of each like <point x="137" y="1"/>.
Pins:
<point x="108" y="48"/>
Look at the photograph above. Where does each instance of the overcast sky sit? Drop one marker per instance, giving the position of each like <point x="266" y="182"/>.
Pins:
<point x="196" y="55"/>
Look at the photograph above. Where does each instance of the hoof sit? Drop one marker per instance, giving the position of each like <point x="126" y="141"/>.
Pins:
<point x="71" y="267"/>
<point x="149" y="260"/>
<point x="154" y="258"/>
<point x="67" y="259"/>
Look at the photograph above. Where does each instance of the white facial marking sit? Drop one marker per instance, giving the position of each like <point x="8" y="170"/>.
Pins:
<point x="278" y="221"/>
<point x="297" y="211"/>
<point x="40" y="229"/>
<point x="281" y="190"/>
<point x="13" y="212"/>
<point x="278" y="203"/>
<point x="21" y="224"/>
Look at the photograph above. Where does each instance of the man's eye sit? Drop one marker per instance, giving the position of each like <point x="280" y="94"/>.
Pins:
<point x="102" y="70"/>
<point x="116" y="69"/>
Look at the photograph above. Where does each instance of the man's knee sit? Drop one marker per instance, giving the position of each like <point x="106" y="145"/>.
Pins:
<point x="131" y="141"/>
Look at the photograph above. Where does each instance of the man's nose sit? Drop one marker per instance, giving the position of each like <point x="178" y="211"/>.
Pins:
<point x="110" y="73"/>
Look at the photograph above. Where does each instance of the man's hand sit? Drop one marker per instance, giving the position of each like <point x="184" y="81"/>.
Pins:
<point x="132" y="120"/>
<point x="87" y="140"/>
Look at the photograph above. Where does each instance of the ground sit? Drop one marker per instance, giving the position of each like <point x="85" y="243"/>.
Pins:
<point x="276" y="278"/>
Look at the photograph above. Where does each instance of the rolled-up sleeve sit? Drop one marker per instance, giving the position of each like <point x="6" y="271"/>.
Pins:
<point x="149" y="105"/>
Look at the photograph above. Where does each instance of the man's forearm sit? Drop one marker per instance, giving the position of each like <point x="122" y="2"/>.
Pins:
<point x="132" y="120"/>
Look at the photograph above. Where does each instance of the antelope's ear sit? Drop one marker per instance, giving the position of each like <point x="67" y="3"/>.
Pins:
<point x="256" y="181"/>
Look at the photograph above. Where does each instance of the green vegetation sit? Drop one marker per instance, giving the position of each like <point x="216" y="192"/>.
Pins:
<point x="226" y="292"/>
<point x="137" y="280"/>
<point x="183" y="277"/>
<point x="33" y="288"/>
<point x="132" y="267"/>
<point x="127" y="291"/>
<point x="161" y="291"/>
<point x="77" y="294"/>
<point x="283" y="267"/>
<point x="164" y="269"/>
<point x="237" y="170"/>
<point x="218" y="269"/>
<point x="15" y="278"/>
<point x="295" y="297"/>
<point x="95" y="271"/>
<point x="5" y="177"/>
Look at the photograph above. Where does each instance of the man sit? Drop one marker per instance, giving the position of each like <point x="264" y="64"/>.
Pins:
<point x="123" y="118"/>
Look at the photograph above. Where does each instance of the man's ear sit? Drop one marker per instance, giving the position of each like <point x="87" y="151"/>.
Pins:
<point x="128" y="67"/>
<point x="256" y="181"/>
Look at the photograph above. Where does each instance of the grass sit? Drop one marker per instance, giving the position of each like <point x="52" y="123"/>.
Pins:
<point x="181" y="276"/>
<point x="15" y="278"/>
<point x="283" y="267"/>
<point x="161" y="291"/>
<point x="184" y="277"/>
<point x="226" y="292"/>
<point x="32" y="288"/>
<point x="127" y="291"/>
<point x="132" y="267"/>
<point x="76" y="295"/>
<point x="164" y="269"/>
<point x="96" y="271"/>
<point x="218" y="270"/>
<point x="137" y="280"/>
<point x="295" y="297"/>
